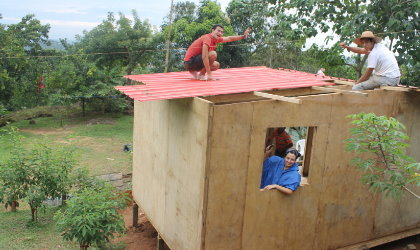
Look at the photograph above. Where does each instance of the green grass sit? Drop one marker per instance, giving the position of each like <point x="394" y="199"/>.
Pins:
<point x="97" y="140"/>
<point x="17" y="231"/>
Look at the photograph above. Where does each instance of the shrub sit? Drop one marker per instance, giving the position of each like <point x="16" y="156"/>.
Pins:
<point x="385" y="166"/>
<point x="91" y="216"/>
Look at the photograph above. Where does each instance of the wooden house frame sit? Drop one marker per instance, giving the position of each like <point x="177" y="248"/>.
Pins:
<point x="197" y="167"/>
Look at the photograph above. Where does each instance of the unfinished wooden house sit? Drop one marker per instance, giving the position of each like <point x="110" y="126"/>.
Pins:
<point x="199" y="148"/>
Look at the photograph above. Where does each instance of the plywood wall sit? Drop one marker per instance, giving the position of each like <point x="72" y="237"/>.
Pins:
<point x="334" y="210"/>
<point x="197" y="169"/>
<point x="170" y="142"/>
<point x="227" y="177"/>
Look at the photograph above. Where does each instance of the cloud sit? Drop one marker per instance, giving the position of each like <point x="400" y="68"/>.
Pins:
<point x="12" y="19"/>
<point x="71" y="24"/>
<point x="66" y="11"/>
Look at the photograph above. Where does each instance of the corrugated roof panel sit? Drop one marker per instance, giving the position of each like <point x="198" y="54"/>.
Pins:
<point x="234" y="80"/>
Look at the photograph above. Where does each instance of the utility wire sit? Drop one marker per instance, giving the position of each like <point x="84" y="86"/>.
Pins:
<point x="181" y="48"/>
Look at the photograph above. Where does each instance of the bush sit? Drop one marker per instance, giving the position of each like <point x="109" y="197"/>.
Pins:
<point x="91" y="216"/>
<point x="381" y="141"/>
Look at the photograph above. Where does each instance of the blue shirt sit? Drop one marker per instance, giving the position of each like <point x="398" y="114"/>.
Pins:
<point x="273" y="173"/>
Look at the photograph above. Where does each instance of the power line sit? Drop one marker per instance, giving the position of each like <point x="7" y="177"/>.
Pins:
<point x="181" y="48"/>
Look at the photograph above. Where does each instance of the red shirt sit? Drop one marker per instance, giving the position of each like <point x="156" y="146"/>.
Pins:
<point x="283" y="140"/>
<point x="196" y="47"/>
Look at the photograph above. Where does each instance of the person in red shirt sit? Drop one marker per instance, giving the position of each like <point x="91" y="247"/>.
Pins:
<point x="201" y="56"/>
<point x="281" y="140"/>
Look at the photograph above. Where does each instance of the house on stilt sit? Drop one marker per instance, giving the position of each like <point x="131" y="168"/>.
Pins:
<point x="199" y="148"/>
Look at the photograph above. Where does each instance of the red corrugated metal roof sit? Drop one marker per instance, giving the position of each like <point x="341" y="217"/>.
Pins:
<point x="234" y="80"/>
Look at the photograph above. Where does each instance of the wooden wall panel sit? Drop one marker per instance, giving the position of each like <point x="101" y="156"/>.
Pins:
<point x="273" y="220"/>
<point x="170" y="149"/>
<point x="335" y="209"/>
<point x="150" y="126"/>
<point x="405" y="212"/>
<point x="227" y="175"/>
<point x="197" y="169"/>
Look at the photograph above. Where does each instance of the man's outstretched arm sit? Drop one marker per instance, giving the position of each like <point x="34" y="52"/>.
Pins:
<point x="354" y="49"/>
<point x="236" y="38"/>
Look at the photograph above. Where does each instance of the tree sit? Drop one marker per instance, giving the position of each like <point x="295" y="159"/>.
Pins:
<point x="35" y="175"/>
<point x="381" y="143"/>
<point x="91" y="216"/>
<point x="186" y="28"/>
<point x="120" y="43"/>
<point x="395" y="20"/>
<point x="14" y="177"/>
<point x="331" y="59"/>
<point x="19" y="68"/>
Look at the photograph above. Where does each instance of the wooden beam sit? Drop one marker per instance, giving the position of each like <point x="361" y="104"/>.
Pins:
<point x="342" y="91"/>
<point x="397" y="88"/>
<point x="344" y="82"/>
<point x="308" y="151"/>
<point x="278" y="97"/>
<point x="382" y="240"/>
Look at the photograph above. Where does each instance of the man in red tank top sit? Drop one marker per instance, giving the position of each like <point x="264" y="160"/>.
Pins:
<point x="201" y="56"/>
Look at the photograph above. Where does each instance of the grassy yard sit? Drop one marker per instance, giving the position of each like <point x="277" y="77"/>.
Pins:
<point x="97" y="140"/>
<point x="18" y="232"/>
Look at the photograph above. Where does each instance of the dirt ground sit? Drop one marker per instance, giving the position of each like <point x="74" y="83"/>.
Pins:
<point x="142" y="237"/>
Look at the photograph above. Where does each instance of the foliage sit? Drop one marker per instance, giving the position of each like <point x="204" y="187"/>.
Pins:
<point x="120" y="43"/>
<point x="410" y="74"/>
<point x="91" y="216"/>
<point x="395" y="20"/>
<point x="382" y="141"/>
<point x="19" y="68"/>
<point x="190" y="23"/>
<point x="330" y="59"/>
<point x="35" y="175"/>
<point x="14" y="177"/>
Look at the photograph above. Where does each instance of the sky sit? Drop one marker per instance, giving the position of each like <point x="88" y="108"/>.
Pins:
<point x="69" y="18"/>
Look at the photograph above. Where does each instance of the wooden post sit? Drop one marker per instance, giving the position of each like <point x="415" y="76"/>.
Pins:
<point x="135" y="214"/>
<point x="168" y="41"/>
<point x="160" y="243"/>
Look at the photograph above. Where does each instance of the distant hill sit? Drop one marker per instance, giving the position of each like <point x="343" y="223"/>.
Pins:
<point x="54" y="45"/>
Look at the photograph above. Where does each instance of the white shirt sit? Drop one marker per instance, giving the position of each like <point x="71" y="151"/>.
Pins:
<point x="383" y="62"/>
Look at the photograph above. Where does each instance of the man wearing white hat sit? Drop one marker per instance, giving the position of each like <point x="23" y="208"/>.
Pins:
<point x="382" y="67"/>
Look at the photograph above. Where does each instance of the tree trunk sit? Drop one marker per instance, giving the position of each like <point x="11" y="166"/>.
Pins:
<point x="84" y="246"/>
<point x="33" y="211"/>
<point x="13" y="206"/>
<point x="83" y="106"/>
<point x="63" y="199"/>
<point x="103" y="106"/>
<point x="135" y="215"/>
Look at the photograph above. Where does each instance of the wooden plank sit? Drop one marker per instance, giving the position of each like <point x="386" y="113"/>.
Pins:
<point x="227" y="175"/>
<point x="344" y="82"/>
<point x="278" y="97"/>
<point x="342" y="91"/>
<point x="308" y="150"/>
<point x="382" y="240"/>
<point x="273" y="220"/>
<point x="170" y="146"/>
<point x="397" y="88"/>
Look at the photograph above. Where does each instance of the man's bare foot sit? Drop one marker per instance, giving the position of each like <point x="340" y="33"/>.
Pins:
<point x="203" y="77"/>
<point x="194" y="74"/>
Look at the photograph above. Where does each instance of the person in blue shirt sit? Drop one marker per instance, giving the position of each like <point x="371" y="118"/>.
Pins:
<point x="280" y="173"/>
